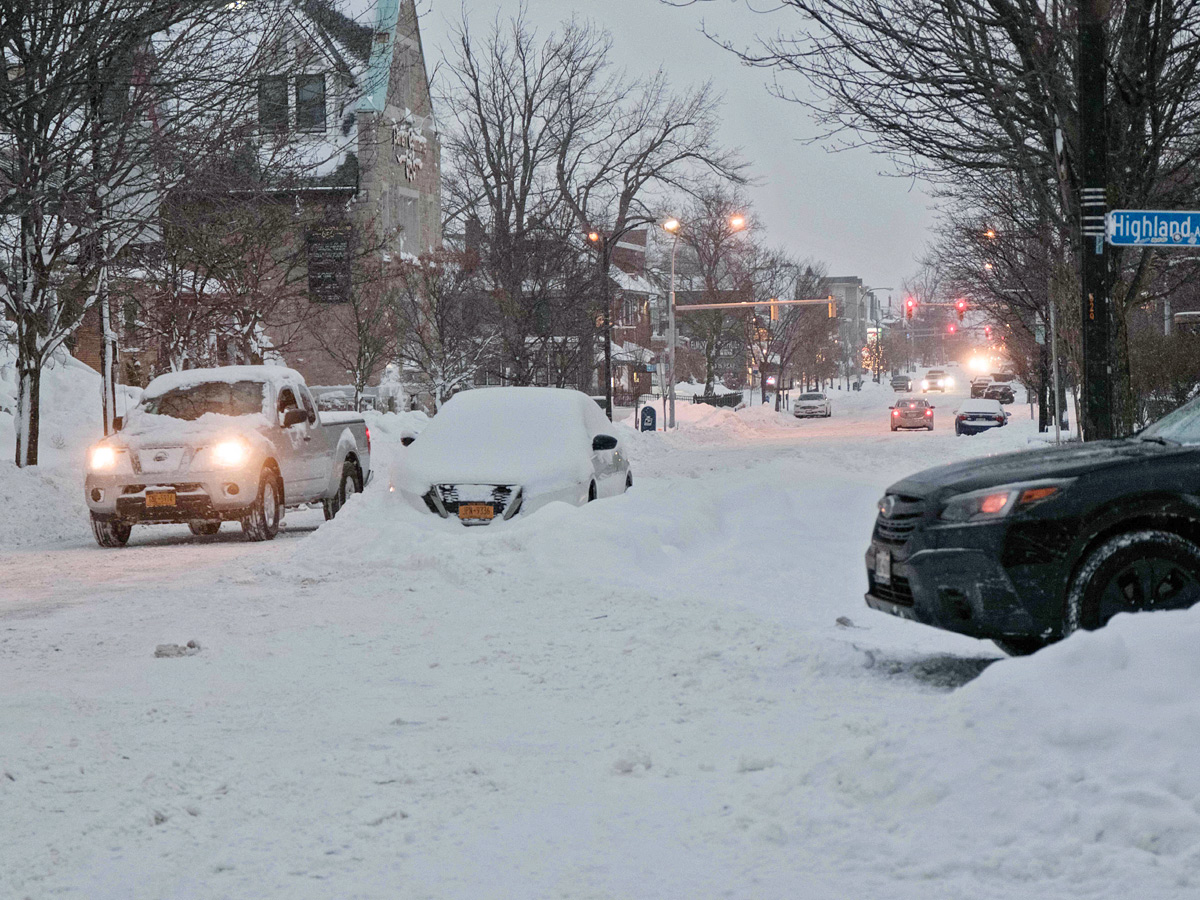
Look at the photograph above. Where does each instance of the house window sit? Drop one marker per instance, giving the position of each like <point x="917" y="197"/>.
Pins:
<point x="629" y="312"/>
<point x="272" y="101"/>
<point x="310" y="102"/>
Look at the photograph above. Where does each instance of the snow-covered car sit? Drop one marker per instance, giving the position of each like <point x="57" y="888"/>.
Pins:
<point x="980" y="385"/>
<point x="1000" y="391"/>
<point x="902" y="383"/>
<point x="936" y="380"/>
<point x="495" y="453"/>
<point x="915" y="413"/>
<point x="974" y="416"/>
<point x="812" y="404"/>
<point x="237" y="443"/>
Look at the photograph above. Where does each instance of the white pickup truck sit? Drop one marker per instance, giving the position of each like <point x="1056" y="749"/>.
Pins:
<point x="238" y="443"/>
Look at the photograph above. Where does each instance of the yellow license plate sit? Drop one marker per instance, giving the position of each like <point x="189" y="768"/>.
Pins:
<point x="159" y="498"/>
<point x="476" y="511"/>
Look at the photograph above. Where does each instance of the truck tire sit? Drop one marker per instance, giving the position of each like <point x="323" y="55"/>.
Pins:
<point x="1020" y="646"/>
<point x="110" y="532"/>
<point x="350" y="483"/>
<point x="203" y="529"/>
<point x="1133" y="572"/>
<point x="261" y="523"/>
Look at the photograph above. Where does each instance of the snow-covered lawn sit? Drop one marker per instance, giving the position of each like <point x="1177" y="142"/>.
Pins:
<point x="646" y="697"/>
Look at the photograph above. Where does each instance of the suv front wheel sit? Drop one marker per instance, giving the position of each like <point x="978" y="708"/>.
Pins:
<point x="1135" y="572"/>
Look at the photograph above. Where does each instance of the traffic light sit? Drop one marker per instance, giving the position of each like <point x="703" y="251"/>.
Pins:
<point x="909" y="305"/>
<point x="832" y="309"/>
<point x="774" y="312"/>
<point x="961" y="306"/>
<point x="951" y="328"/>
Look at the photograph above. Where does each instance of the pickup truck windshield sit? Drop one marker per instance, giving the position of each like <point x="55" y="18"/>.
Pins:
<point x="239" y="398"/>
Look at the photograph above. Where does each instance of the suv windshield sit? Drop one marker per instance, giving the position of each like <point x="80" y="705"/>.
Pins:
<point x="239" y="398"/>
<point x="1181" y="426"/>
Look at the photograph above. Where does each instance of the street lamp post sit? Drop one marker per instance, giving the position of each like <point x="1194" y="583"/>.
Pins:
<point x="672" y="226"/>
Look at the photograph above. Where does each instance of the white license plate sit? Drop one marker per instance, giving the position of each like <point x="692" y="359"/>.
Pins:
<point x="883" y="566"/>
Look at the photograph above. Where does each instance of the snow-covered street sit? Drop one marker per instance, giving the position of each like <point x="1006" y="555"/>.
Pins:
<point x="674" y="693"/>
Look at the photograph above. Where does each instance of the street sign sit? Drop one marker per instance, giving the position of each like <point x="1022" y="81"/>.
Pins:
<point x="649" y="419"/>
<point x="1153" y="228"/>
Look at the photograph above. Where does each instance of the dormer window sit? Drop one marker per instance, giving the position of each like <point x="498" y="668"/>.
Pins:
<point x="273" y="101"/>
<point x="310" y="102"/>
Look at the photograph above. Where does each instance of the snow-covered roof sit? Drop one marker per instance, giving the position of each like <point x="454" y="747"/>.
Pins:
<point x="276" y="375"/>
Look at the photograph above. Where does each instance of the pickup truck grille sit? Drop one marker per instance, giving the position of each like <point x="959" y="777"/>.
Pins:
<point x="898" y="591"/>
<point x="906" y="515"/>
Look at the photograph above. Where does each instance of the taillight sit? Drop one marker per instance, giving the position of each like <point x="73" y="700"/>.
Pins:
<point x="1000" y="419"/>
<point x="368" y="430"/>
<point x="929" y="412"/>
<point x="895" y="412"/>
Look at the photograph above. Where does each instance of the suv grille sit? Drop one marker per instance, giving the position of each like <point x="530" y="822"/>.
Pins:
<point x="500" y="496"/>
<point x="898" y="592"/>
<point x="896" y="528"/>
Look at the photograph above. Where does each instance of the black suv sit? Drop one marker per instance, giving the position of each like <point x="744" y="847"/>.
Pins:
<point x="1025" y="548"/>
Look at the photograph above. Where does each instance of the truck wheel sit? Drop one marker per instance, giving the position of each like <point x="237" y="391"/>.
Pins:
<point x="110" y="532"/>
<point x="204" y="529"/>
<point x="262" y="522"/>
<point x="1135" y="572"/>
<point x="351" y="483"/>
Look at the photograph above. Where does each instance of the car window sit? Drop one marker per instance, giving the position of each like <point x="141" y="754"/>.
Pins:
<point x="287" y="400"/>
<point x="1181" y="426"/>
<point x="309" y="406"/>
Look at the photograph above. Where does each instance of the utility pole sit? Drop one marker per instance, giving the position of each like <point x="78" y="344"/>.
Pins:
<point x="1093" y="141"/>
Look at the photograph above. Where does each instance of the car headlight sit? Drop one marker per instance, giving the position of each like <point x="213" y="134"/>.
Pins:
<point x="1000" y="501"/>
<point x="102" y="459"/>
<point x="949" y="382"/>
<point x="230" y="453"/>
<point x="924" y="384"/>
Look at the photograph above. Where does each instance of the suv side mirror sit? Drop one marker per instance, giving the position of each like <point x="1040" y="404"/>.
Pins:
<point x="294" y="416"/>
<point x="118" y="423"/>
<point x="604" y="442"/>
<point x="406" y="440"/>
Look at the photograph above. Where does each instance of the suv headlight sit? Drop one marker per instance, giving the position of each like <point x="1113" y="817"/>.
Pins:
<point x="102" y="459"/>
<point x="1000" y="501"/>
<point x="229" y="454"/>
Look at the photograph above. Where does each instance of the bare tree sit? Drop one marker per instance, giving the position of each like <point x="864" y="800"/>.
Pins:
<point x="443" y="339"/>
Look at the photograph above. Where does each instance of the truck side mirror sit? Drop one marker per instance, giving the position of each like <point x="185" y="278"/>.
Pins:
<point x="294" y="416"/>
<point x="604" y="442"/>
<point x="118" y="423"/>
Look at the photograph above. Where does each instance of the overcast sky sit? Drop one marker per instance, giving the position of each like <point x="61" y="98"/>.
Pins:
<point x="834" y="207"/>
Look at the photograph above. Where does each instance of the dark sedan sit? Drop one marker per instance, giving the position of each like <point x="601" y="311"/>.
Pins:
<point x="1025" y="548"/>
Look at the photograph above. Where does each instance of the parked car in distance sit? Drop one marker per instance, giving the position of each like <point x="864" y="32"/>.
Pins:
<point x="494" y="453"/>
<point x="237" y="443"/>
<point x="936" y="380"/>
<point x="974" y="416"/>
<point x="980" y="385"/>
<point x="1025" y="548"/>
<point x="814" y="403"/>
<point x="915" y="413"/>
<point x="902" y="383"/>
<point x="1000" y="391"/>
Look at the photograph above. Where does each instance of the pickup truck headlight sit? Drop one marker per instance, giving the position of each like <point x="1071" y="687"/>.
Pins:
<point x="229" y="454"/>
<point x="1000" y="501"/>
<point x="102" y="459"/>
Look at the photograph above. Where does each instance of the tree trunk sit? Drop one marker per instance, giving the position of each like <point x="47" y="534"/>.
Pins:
<point x="108" y="387"/>
<point x="29" y="399"/>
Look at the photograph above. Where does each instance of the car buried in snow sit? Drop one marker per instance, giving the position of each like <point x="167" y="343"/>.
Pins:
<point x="236" y="443"/>
<point x="1025" y="548"/>
<point x="974" y="416"/>
<point x="491" y="454"/>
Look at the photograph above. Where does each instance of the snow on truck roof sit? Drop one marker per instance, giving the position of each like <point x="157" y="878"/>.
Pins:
<point x="275" y="375"/>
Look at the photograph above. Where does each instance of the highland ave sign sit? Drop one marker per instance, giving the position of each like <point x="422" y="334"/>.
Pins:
<point x="1153" y="228"/>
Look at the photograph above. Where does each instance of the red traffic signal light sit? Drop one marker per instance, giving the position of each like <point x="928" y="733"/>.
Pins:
<point x="961" y="306"/>
<point x="952" y="328"/>
<point x="909" y="305"/>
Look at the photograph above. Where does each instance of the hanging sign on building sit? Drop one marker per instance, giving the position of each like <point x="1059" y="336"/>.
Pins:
<point x="329" y="263"/>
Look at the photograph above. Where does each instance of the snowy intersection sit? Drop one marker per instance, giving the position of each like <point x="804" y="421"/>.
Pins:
<point x="649" y="696"/>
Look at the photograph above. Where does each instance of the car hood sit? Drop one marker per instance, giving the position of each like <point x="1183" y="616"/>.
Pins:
<point x="1028" y="465"/>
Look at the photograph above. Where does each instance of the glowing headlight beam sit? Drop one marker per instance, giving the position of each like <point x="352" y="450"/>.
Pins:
<point x="103" y="458"/>
<point x="230" y="453"/>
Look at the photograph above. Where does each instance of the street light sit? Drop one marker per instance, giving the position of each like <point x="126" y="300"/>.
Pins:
<point x="673" y="226"/>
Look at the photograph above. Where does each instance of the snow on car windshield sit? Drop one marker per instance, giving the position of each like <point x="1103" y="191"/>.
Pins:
<point x="529" y="436"/>
<point x="238" y="398"/>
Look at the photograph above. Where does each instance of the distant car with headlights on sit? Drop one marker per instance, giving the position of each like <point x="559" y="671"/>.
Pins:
<point x="902" y="383"/>
<point x="915" y="413"/>
<point x="815" y="403"/>
<point x="491" y="454"/>
<point x="1026" y="548"/>
<point x="974" y="416"/>
<point x="237" y="443"/>
<point x="936" y="380"/>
